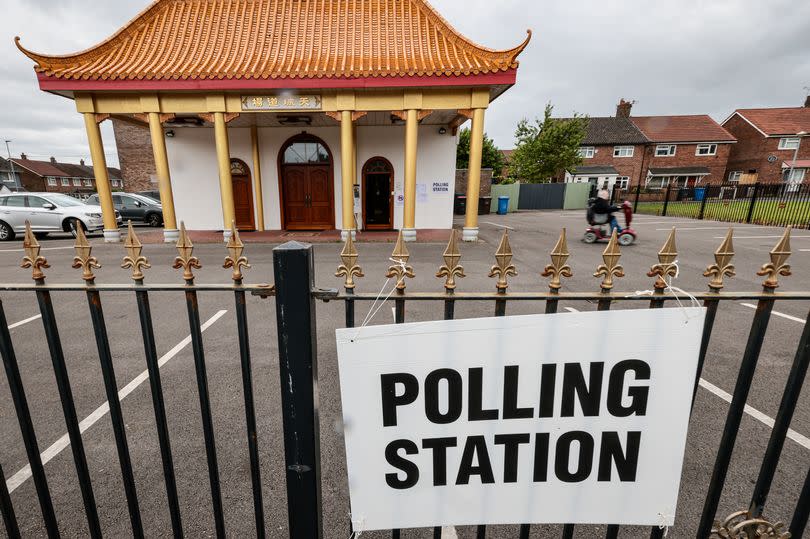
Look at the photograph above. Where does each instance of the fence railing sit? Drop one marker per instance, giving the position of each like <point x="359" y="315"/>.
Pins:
<point x="775" y="204"/>
<point x="296" y="298"/>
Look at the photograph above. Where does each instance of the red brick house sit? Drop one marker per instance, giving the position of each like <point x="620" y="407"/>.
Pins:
<point x="683" y="150"/>
<point x="768" y="142"/>
<point x="53" y="176"/>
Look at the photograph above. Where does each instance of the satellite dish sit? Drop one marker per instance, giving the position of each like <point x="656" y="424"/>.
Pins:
<point x="772" y="159"/>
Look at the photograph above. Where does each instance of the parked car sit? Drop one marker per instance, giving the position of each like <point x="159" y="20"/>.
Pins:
<point x="154" y="195"/>
<point x="135" y="207"/>
<point x="47" y="212"/>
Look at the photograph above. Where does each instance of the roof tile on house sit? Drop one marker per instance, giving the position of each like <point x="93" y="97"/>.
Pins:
<point x="778" y="121"/>
<point x="613" y="130"/>
<point x="699" y="128"/>
<point x="264" y="39"/>
<point x="40" y="168"/>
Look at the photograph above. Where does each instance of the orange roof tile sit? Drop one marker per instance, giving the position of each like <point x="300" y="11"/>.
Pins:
<point x="778" y="121"/>
<point x="697" y="128"/>
<point x="269" y="39"/>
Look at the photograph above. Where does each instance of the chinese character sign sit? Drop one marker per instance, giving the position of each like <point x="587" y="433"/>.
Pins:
<point x="281" y="102"/>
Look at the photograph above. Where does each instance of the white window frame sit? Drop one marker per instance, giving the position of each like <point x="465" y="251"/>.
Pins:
<point x="622" y="182"/>
<point x="88" y="182"/>
<point x="789" y="143"/>
<point x="587" y="152"/>
<point x="669" y="150"/>
<point x="734" y="175"/>
<point x="77" y="182"/>
<point x="663" y="179"/>
<point x="115" y="183"/>
<point x="703" y="150"/>
<point x="623" y="151"/>
<point x="65" y="182"/>
<point x="52" y="181"/>
<point x="794" y="175"/>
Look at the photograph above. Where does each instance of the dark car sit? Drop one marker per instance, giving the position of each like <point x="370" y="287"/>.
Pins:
<point x="154" y="195"/>
<point x="135" y="207"/>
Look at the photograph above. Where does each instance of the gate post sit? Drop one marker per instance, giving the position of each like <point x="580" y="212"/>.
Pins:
<point x="666" y="201"/>
<point x="702" y="212"/>
<point x="752" y="204"/>
<point x="295" y="319"/>
<point x="638" y="195"/>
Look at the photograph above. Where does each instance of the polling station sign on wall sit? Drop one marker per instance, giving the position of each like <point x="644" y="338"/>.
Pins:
<point x="567" y="418"/>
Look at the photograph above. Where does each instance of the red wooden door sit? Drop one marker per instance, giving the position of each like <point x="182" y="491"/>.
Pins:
<point x="320" y="197"/>
<point x="243" y="200"/>
<point x="296" y="190"/>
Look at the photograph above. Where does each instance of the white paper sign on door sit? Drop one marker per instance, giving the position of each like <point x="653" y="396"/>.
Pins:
<point x="568" y="418"/>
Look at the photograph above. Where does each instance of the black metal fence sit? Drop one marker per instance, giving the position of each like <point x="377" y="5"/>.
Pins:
<point x="774" y="204"/>
<point x="296" y="298"/>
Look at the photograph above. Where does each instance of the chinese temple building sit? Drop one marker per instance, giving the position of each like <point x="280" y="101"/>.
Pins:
<point x="291" y="114"/>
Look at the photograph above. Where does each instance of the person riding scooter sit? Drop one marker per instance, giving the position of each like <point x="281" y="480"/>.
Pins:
<point x="603" y="211"/>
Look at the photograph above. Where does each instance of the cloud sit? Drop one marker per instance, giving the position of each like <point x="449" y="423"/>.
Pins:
<point x="684" y="57"/>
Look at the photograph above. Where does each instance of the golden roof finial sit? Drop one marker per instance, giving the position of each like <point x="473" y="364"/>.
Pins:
<point x="666" y="266"/>
<point x="186" y="260"/>
<point x="722" y="266"/>
<point x="32" y="259"/>
<point x="611" y="268"/>
<point x="83" y="258"/>
<point x="503" y="263"/>
<point x="401" y="269"/>
<point x="777" y="266"/>
<point x="133" y="259"/>
<point x="558" y="267"/>
<point x="451" y="268"/>
<point x="349" y="268"/>
<point x="235" y="259"/>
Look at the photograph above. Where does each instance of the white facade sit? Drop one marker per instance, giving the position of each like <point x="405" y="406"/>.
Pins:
<point x="195" y="180"/>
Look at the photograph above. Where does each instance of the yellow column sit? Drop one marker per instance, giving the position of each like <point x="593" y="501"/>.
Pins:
<point x="347" y="179"/>
<point x="355" y="179"/>
<point x="111" y="233"/>
<point x="257" y="176"/>
<point x="409" y="216"/>
<point x="170" y="233"/>
<point x="470" y="231"/>
<point x="225" y="182"/>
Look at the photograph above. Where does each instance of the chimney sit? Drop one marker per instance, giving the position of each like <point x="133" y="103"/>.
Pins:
<point x="623" y="108"/>
<point x="23" y="156"/>
<point x="81" y="162"/>
<point x="807" y="101"/>
<point x="53" y="160"/>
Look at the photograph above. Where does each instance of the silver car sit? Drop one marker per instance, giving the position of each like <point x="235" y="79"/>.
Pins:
<point x="47" y="212"/>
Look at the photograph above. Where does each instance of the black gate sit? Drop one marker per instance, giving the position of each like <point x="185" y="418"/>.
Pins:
<point x="541" y="196"/>
<point x="296" y="297"/>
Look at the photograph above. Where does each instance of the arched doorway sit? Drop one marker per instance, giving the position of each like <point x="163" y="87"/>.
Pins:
<point x="378" y="194"/>
<point x="307" y="188"/>
<point x="242" y="196"/>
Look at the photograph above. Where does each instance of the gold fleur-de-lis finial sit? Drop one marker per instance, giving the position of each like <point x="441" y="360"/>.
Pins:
<point x="400" y="269"/>
<point x="558" y="267"/>
<point x="503" y="267"/>
<point x="742" y="524"/>
<point x="133" y="259"/>
<point x="349" y="268"/>
<point x="235" y="259"/>
<point x="666" y="266"/>
<point x="778" y="264"/>
<point x="83" y="258"/>
<point x="722" y="266"/>
<point x="611" y="267"/>
<point x="451" y="268"/>
<point x="32" y="259"/>
<point x="186" y="260"/>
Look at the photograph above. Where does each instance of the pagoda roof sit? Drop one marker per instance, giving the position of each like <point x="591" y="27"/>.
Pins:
<point x="202" y="40"/>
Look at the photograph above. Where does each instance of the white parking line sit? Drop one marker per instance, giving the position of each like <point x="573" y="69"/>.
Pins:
<point x="800" y="439"/>
<point x="21" y="322"/>
<point x="496" y="224"/>
<point x="763" y="237"/>
<point x="695" y="228"/>
<point x="59" y="445"/>
<point x="783" y="315"/>
<point x="805" y="250"/>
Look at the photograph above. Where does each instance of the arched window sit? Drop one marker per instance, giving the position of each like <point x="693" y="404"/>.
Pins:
<point x="302" y="153"/>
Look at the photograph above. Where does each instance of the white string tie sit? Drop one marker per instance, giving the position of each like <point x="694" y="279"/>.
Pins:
<point x="674" y="290"/>
<point x="358" y="527"/>
<point x="374" y="309"/>
<point x="662" y="519"/>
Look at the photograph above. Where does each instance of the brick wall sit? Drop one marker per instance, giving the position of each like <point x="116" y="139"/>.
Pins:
<point x="486" y="182"/>
<point x="625" y="166"/>
<point x="135" y="155"/>
<point x="685" y="157"/>
<point x="753" y="149"/>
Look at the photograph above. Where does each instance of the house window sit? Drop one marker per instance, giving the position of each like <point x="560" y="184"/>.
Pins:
<point x="622" y="182"/>
<point x="793" y="175"/>
<point x="657" y="182"/>
<point x="77" y="182"/>
<point x="623" y="151"/>
<point x="88" y="183"/>
<point x="665" y="150"/>
<point x="52" y="182"/>
<point x="65" y="182"/>
<point x="116" y="183"/>
<point x="788" y="143"/>
<point x="587" y="152"/>
<point x="706" y="149"/>
<point x="734" y="175"/>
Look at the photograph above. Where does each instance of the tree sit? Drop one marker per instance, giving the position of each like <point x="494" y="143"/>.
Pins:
<point x="546" y="147"/>
<point x="491" y="157"/>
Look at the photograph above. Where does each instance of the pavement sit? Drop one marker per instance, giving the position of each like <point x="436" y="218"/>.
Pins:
<point x="532" y="236"/>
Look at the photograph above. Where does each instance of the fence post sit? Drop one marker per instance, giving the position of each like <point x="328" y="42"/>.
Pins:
<point x="666" y="201"/>
<point x="638" y="195"/>
<point x="753" y="202"/>
<point x="295" y="319"/>
<point x="703" y="203"/>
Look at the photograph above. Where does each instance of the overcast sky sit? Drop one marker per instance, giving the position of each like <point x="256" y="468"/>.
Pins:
<point x="673" y="57"/>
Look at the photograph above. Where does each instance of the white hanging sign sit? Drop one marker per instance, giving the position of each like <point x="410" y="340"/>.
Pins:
<point x="569" y="418"/>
